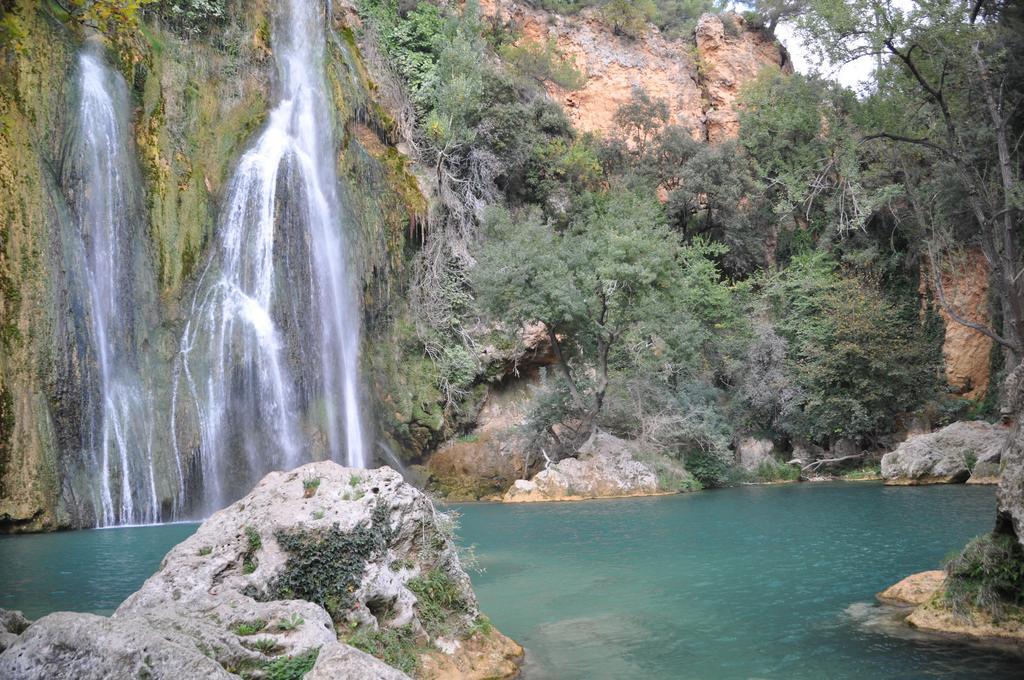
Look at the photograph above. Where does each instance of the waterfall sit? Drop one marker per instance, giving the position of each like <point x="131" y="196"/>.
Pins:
<point x="118" y="414"/>
<point x="269" y="356"/>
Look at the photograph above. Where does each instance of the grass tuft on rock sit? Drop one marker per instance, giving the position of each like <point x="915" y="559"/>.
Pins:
<point x="439" y="598"/>
<point x="290" y="667"/>
<point x="397" y="647"/>
<point x="988" y="576"/>
<point x="250" y="627"/>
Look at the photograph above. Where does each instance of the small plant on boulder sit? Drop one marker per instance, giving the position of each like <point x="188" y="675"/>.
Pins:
<point x="987" y="575"/>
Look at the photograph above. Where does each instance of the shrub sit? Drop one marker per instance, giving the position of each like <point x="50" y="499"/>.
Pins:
<point x="987" y="575"/>
<point x="544" y="62"/>
<point x="192" y="17"/>
<point x="249" y="561"/>
<point x="325" y="566"/>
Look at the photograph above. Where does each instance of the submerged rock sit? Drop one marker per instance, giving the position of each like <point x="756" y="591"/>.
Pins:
<point x="308" y="557"/>
<point x="945" y="456"/>
<point x="606" y="469"/>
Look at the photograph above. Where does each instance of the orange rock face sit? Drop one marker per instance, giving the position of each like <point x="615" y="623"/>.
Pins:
<point x="731" y="55"/>
<point x="699" y="79"/>
<point x="967" y="353"/>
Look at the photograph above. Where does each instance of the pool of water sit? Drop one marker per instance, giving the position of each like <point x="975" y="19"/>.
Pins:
<point x="756" y="582"/>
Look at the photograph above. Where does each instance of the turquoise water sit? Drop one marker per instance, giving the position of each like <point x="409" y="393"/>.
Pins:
<point x="757" y="582"/>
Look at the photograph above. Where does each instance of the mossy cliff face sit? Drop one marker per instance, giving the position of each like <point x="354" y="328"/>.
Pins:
<point x="37" y="347"/>
<point x="196" y="101"/>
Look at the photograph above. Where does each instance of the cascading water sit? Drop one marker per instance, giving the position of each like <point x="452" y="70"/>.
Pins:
<point x="269" y="356"/>
<point x="118" y="433"/>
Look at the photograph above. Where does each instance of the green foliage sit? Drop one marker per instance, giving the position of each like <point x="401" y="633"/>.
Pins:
<point x="438" y="598"/>
<point x="293" y="622"/>
<point x="858" y="359"/>
<point x="250" y="627"/>
<point x="988" y="575"/>
<point x="774" y="471"/>
<point x="628" y="17"/>
<point x="873" y="471"/>
<point x="255" y="542"/>
<point x="800" y="133"/>
<point x="641" y="119"/>
<point x="192" y="17"/>
<point x="291" y="667"/>
<point x="397" y="647"/>
<point x="545" y="63"/>
<point x="310" y="485"/>
<point x="325" y="566"/>
<point x="112" y="17"/>
<point x="204" y="551"/>
<point x="265" y="646"/>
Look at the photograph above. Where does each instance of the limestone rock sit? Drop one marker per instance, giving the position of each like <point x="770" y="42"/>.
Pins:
<point x="491" y="457"/>
<point x="12" y="624"/>
<point x="342" y="661"/>
<point x="915" y="589"/>
<point x="1010" y="497"/>
<point x="606" y="470"/>
<point x="944" y="456"/>
<point x="70" y="646"/>
<point x="933" y="617"/>
<point x="924" y="592"/>
<point x="752" y="453"/>
<point x="229" y="597"/>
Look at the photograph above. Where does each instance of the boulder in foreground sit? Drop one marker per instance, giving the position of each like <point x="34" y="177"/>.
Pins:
<point x="295" y="579"/>
<point x="946" y="456"/>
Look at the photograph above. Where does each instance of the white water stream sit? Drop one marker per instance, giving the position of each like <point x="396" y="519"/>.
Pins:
<point x="119" y="430"/>
<point x="269" y="356"/>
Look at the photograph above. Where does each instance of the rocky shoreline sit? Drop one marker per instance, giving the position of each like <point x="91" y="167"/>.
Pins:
<point x="320" y="570"/>
<point x="924" y="592"/>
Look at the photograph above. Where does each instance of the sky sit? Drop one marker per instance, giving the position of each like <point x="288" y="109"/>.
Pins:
<point x="851" y="75"/>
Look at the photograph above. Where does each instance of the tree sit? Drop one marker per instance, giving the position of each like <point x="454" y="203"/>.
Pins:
<point x="858" y="359"/>
<point x="642" y="119"/>
<point x="949" y="99"/>
<point x="629" y="17"/>
<point x="771" y="12"/>
<point x="594" y="284"/>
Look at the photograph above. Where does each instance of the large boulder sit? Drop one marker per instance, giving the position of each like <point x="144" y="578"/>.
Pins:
<point x="945" y="456"/>
<point x="606" y="468"/>
<point x="308" y="557"/>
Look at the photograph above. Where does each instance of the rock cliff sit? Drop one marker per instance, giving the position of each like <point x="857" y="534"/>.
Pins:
<point x="197" y="99"/>
<point x="700" y="78"/>
<point x="308" y="558"/>
<point x="967" y="354"/>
